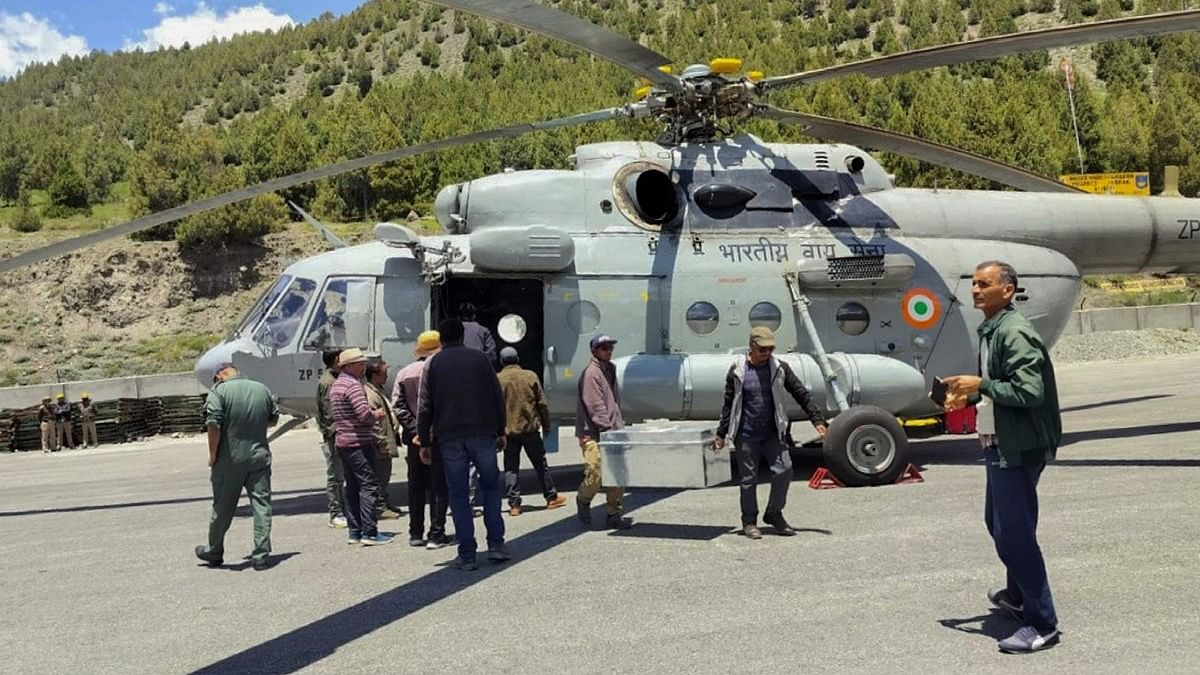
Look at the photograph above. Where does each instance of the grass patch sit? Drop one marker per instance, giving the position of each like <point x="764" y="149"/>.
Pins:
<point x="111" y="212"/>
<point x="175" y="349"/>
<point x="1155" y="298"/>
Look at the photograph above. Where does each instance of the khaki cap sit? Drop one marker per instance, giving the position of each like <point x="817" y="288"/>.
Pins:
<point x="761" y="336"/>
<point x="351" y="356"/>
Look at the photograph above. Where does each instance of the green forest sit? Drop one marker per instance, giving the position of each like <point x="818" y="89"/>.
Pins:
<point x="103" y="137"/>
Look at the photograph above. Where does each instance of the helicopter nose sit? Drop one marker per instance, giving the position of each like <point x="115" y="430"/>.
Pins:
<point x="212" y="358"/>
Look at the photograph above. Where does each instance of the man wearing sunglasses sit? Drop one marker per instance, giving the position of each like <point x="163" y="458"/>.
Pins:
<point x="755" y="417"/>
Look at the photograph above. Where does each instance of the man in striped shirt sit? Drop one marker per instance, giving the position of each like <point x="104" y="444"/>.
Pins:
<point x="354" y="438"/>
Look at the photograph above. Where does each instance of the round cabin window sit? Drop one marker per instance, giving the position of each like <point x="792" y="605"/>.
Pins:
<point x="767" y="315"/>
<point x="853" y="318"/>
<point x="512" y="328"/>
<point x="583" y="316"/>
<point x="703" y="318"/>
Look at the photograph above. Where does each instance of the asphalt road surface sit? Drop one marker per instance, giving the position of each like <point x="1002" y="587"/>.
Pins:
<point x="98" y="572"/>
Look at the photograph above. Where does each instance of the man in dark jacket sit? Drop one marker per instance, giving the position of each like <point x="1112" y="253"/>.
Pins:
<point x="476" y="335"/>
<point x="598" y="409"/>
<point x="755" y="417"/>
<point x="461" y="410"/>
<point x="333" y="466"/>
<point x="528" y="418"/>
<point x="1019" y="430"/>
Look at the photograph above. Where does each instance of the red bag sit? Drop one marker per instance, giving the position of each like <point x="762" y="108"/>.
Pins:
<point x="961" y="421"/>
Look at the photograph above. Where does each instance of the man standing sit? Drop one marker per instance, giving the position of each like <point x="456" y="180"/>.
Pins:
<point x="87" y="420"/>
<point x="598" y="409"/>
<point x="354" y="438"/>
<point x="1019" y="430"/>
<point x="48" y="427"/>
<point x="333" y="466"/>
<point x="62" y="421"/>
<point x="476" y="335"/>
<point x="527" y="419"/>
<point x="461" y="411"/>
<point x="755" y="417"/>
<point x="237" y="414"/>
<point x="426" y="477"/>
<point x="385" y="437"/>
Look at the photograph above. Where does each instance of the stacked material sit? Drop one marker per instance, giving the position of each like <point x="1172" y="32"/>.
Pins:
<point x="139" y="418"/>
<point x="27" y="431"/>
<point x="6" y="431"/>
<point x="182" y="414"/>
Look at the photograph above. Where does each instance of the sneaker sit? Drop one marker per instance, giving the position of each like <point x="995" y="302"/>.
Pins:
<point x="337" y="522"/>
<point x="1028" y="639"/>
<point x="388" y="514"/>
<point x="260" y="564"/>
<point x="208" y="558"/>
<point x="498" y="553"/>
<point x="465" y="565"/>
<point x="751" y="531"/>
<point x="583" y="512"/>
<point x="476" y="511"/>
<point x="377" y="540"/>
<point x="781" y="526"/>
<point x="434" y="543"/>
<point x="1001" y="598"/>
<point x="514" y="510"/>
<point x="616" y="522"/>
<point x="555" y="502"/>
<point x="416" y="542"/>
<point x="354" y="539"/>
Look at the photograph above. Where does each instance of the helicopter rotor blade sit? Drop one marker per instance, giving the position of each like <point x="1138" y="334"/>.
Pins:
<point x="326" y="234"/>
<point x="574" y="31"/>
<point x="911" y="146"/>
<point x="207" y="204"/>
<point x="997" y="46"/>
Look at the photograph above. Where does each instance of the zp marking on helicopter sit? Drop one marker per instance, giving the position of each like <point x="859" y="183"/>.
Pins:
<point x="920" y="308"/>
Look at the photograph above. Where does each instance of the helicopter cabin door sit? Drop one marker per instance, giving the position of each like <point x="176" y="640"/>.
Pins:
<point x="510" y="308"/>
<point x="401" y="313"/>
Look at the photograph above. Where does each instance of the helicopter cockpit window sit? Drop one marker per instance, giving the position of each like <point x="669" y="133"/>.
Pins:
<point x="765" y="314"/>
<point x="702" y="317"/>
<point x="284" y="317"/>
<point x="256" y="312"/>
<point x="512" y="328"/>
<point x="344" y="314"/>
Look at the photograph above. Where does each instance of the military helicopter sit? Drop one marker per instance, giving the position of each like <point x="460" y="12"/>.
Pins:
<point x="677" y="247"/>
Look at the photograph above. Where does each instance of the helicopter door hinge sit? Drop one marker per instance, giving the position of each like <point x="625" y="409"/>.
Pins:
<point x="697" y="245"/>
<point x="652" y="244"/>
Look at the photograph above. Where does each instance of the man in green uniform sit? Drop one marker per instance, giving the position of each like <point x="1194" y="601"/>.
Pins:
<point x="237" y="414"/>
<point x="333" y="466"/>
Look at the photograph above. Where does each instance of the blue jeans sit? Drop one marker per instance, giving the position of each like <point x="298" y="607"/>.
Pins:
<point x="458" y="455"/>
<point x="1011" y="512"/>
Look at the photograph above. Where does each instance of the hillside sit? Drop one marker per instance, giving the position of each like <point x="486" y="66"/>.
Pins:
<point x="93" y="141"/>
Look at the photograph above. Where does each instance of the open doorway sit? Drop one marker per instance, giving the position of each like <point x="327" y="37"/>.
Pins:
<point x="510" y="308"/>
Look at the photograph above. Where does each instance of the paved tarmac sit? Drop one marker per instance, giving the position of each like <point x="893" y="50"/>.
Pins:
<point x="98" y="573"/>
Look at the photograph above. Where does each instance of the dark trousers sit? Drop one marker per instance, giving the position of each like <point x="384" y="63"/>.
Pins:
<point x="535" y="449"/>
<point x="383" y="476"/>
<point x="458" y="455"/>
<point x="426" y="485"/>
<point x="361" y="491"/>
<point x="749" y="452"/>
<point x="1011" y="513"/>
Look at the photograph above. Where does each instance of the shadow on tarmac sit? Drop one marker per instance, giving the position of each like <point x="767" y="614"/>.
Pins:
<point x="1118" y="401"/>
<point x="155" y="502"/>
<point x="997" y="624"/>
<point x="274" y="559"/>
<point x="310" y="643"/>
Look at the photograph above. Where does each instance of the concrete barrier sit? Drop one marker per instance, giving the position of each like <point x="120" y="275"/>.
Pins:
<point x="140" y="386"/>
<point x="1133" y="318"/>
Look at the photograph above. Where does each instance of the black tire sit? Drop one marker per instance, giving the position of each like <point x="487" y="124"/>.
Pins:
<point x="866" y="446"/>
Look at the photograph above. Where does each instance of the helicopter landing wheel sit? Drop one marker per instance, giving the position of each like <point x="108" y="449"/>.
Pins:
<point x="866" y="446"/>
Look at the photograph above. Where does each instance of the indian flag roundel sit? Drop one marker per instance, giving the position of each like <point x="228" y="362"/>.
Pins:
<point x="921" y="308"/>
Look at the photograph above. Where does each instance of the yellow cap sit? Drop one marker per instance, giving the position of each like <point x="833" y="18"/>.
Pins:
<point x="84" y="395"/>
<point x="428" y="342"/>
<point x="60" y="395"/>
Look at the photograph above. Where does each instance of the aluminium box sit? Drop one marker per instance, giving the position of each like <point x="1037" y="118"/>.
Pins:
<point x="663" y="454"/>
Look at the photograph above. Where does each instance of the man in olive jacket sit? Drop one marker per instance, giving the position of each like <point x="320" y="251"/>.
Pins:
<point x="1019" y="429"/>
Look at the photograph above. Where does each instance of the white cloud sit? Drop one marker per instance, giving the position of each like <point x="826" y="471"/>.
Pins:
<point x="163" y="8"/>
<point x="204" y="25"/>
<point x="26" y="39"/>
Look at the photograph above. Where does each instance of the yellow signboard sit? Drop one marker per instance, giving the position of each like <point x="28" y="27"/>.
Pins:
<point x="1144" y="285"/>
<point x="1135" y="183"/>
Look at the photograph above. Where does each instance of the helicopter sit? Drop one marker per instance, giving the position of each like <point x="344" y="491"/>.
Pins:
<point x="677" y="247"/>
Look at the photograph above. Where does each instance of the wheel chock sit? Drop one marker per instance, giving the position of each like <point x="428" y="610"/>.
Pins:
<point x="822" y="479"/>
<point x="909" y="475"/>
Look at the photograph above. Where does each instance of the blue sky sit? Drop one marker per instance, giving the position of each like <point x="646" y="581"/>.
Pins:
<point x="43" y="30"/>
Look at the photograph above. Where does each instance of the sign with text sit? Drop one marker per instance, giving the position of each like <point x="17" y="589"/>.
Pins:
<point x="1134" y="183"/>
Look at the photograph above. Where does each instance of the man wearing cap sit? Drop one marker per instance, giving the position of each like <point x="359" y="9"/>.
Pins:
<point x="461" y="412"/>
<point x="385" y="437"/>
<point x="426" y="476"/>
<point x="62" y="421"/>
<point x="46" y="422"/>
<point x="598" y="409"/>
<point x="755" y="417"/>
<point x="333" y="465"/>
<point x="527" y="419"/>
<point x="354" y="437"/>
<point x="238" y="412"/>
<point x="87" y="420"/>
